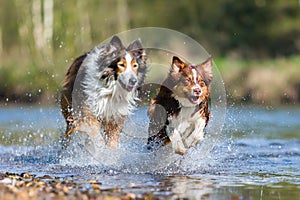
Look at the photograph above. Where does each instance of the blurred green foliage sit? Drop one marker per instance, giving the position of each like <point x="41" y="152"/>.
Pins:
<point x="40" y="38"/>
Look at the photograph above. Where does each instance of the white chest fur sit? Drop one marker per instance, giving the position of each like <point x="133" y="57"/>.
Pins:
<point x="186" y="129"/>
<point x="103" y="101"/>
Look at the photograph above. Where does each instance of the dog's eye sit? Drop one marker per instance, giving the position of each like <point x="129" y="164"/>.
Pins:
<point x="186" y="81"/>
<point x="120" y="64"/>
<point x="202" y="84"/>
<point x="135" y="65"/>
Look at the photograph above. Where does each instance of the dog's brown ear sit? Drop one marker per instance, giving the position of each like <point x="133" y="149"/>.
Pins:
<point x="206" y="67"/>
<point x="177" y="64"/>
<point x="116" y="43"/>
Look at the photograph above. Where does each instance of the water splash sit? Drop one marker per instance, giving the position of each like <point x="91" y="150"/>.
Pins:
<point x="132" y="156"/>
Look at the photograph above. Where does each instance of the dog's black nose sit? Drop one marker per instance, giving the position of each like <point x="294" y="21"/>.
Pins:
<point x="132" y="81"/>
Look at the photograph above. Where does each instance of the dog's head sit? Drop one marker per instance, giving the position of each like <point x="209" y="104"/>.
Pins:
<point x="191" y="82"/>
<point x="127" y="66"/>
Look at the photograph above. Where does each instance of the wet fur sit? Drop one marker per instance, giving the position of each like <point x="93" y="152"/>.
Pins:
<point x="173" y="117"/>
<point x="94" y="99"/>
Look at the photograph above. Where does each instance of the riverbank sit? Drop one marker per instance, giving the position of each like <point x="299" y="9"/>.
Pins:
<point x="28" y="186"/>
<point x="269" y="81"/>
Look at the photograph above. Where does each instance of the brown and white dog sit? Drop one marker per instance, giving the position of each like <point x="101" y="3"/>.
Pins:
<point x="100" y="89"/>
<point x="179" y="112"/>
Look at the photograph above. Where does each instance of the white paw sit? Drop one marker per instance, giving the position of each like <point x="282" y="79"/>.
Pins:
<point x="177" y="143"/>
<point x="193" y="139"/>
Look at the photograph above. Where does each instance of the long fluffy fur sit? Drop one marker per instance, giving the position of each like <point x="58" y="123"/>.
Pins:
<point x="92" y="95"/>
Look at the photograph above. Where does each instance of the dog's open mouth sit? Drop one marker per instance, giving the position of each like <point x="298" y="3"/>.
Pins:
<point x="194" y="99"/>
<point x="128" y="88"/>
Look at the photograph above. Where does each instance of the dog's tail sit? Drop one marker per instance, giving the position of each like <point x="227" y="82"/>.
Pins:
<point x="67" y="89"/>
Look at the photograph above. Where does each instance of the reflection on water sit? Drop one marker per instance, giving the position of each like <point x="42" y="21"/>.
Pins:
<point x="257" y="156"/>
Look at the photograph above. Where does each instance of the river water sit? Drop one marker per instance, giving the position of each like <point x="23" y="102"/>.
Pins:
<point x="256" y="156"/>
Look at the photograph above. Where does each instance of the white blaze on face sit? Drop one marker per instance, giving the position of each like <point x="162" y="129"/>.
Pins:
<point x="127" y="72"/>
<point x="195" y="78"/>
<point x="128" y="59"/>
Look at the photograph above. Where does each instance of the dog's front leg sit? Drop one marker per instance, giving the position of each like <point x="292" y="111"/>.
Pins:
<point x="88" y="125"/>
<point x="196" y="135"/>
<point x="177" y="143"/>
<point x="113" y="130"/>
<point x="113" y="135"/>
<point x="176" y="140"/>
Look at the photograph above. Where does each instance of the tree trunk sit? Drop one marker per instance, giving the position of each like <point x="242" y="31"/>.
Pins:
<point x="48" y="26"/>
<point x="43" y="26"/>
<point x="123" y="13"/>
<point x="1" y="43"/>
<point x="37" y="24"/>
<point x="85" y="30"/>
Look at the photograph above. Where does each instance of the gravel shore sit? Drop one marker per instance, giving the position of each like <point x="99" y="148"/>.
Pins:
<point x="27" y="186"/>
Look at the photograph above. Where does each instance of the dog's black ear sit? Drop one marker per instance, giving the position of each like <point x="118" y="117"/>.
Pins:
<point x="206" y="67"/>
<point x="135" y="45"/>
<point x="137" y="49"/>
<point x="177" y="64"/>
<point x="116" y="43"/>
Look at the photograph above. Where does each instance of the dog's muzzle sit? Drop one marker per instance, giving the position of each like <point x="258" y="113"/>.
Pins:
<point x="131" y="84"/>
<point x="195" y="95"/>
<point x="128" y="84"/>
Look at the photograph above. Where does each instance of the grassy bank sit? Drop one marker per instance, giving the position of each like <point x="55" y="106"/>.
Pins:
<point x="270" y="81"/>
<point x="23" y="80"/>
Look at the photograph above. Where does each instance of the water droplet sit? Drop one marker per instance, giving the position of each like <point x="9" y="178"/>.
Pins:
<point x="61" y="44"/>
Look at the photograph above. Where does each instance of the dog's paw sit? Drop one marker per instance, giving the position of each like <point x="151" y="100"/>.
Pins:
<point x="177" y="143"/>
<point x="179" y="149"/>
